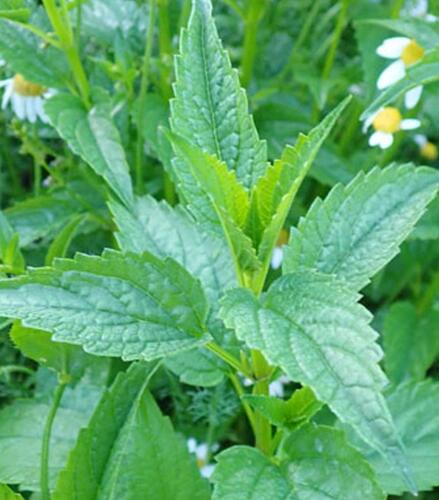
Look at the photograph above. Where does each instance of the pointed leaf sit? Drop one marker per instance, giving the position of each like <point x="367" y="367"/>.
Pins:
<point x="93" y="136"/>
<point x="210" y="109"/>
<point x="135" y="307"/>
<point x="314" y="329"/>
<point x="357" y="229"/>
<point x="129" y="450"/>
<point x="7" y="494"/>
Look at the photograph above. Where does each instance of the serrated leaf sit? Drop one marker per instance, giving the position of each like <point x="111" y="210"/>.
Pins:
<point x="411" y="342"/>
<point x="216" y="199"/>
<point x="23" y="52"/>
<point x="93" y="136"/>
<point x="133" y="450"/>
<point x="290" y="414"/>
<point x="21" y="432"/>
<point x="414" y="408"/>
<point x="210" y="109"/>
<point x="274" y="193"/>
<point x="316" y="463"/>
<point x="7" y="494"/>
<point x="134" y="307"/>
<point x="357" y="229"/>
<point x="38" y="345"/>
<point x="314" y="329"/>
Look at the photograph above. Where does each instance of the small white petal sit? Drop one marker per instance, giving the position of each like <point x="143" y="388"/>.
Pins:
<point x="276" y="388"/>
<point x="368" y="121"/>
<point x="392" y="48"/>
<point x="4" y="83"/>
<point x="19" y="106"/>
<point x="31" y="110"/>
<point x="381" y="139"/>
<point x="191" y="445"/>
<point x="412" y="97"/>
<point x="392" y="74"/>
<point x="276" y="258"/>
<point x="410" y="124"/>
<point x="420" y="139"/>
<point x="207" y="470"/>
<point x="39" y="103"/>
<point x="7" y="95"/>
<point x="202" y="451"/>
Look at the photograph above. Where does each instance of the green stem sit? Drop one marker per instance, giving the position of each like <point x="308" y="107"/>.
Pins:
<point x="396" y="8"/>
<point x="228" y="358"/>
<point x="262" y="371"/>
<point x="185" y="13"/>
<point x="251" y="21"/>
<point x="339" y="27"/>
<point x="44" y="473"/>
<point x="165" y="46"/>
<point x="427" y="298"/>
<point x="248" y="411"/>
<point x="37" y="178"/>
<point x="144" y="82"/>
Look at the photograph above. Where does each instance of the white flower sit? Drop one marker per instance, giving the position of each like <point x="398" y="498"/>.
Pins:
<point x="386" y="122"/>
<point x="201" y="451"/>
<point x="276" y="388"/>
<point x="25" y="97"/>
<point x="406" y="52"/>
<point x="278" y="252"/>
<point x="427" y="149"/>
<point x="418" y="8"/>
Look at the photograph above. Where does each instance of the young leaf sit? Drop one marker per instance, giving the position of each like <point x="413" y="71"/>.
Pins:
<point x="60" y="245"/>
<point x="316" y="463"/>
<point x="290" y="414"/>
<point x="274" y="193"/>
<point x="9" y="250"/>
<point x="135" y="307"/>
<point x="357" y="229"/>
<point x="7" y="494"/>
<point x="38" y="345"/>
<point x="129" y="450"/>
<point x="414" y="409"/>
<point x="216" y="199"/>
<point x="210" y="109"/>
<point x="93" y="136"/>
<point x="314" y="329"/>
<point x="411" y="343"/>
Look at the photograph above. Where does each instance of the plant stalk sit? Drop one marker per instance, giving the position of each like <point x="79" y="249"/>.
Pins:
<point x="44" y="472"/>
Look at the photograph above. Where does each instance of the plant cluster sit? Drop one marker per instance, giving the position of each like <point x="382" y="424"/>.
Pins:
<point x="197" y="299"/>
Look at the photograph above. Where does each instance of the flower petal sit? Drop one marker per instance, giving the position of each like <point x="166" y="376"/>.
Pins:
<point x="31" y="110"/>
<point x="410" y="124"/>
<point x="381" y="139"/>
<point x="392" y="48"/>
<point x="19" y="106"/>
<point x="7" y="94"/>
<point x="392" y="74"/>
<point x="276" y="257"/>
<point x="420" y="139"/>
<point x="412" y="97"/>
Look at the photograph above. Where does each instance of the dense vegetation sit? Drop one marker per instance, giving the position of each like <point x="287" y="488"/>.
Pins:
<point x="219" y="247"/>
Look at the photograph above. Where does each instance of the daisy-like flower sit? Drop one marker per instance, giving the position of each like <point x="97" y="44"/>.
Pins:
<point x="427" y="149"/>
<point x="201" y="451"/>
<point x="278" y="252"/>
<point x="386" y="122"/>
<point x="406" y="52"/>
<point x="26" y="98"/>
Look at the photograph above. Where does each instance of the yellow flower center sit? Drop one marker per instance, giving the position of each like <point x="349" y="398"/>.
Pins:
<point x="429" y="151"/>
<point x="201" y="462"/>
<point x="412" y="53"/>
<point x="25" y="88"/>
<point x="387" y="120"/>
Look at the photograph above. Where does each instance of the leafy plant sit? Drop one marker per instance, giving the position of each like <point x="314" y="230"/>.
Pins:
<point x="149" y="266"/>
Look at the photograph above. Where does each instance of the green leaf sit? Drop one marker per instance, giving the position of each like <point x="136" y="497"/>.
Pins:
<point x="314" y="329"/>
<point x="61" y="243"/>
<point x="38" y="345"/>
<point x="9" y="249"/>
<point x="93" y="136"/>
<point x="316" y="463"/>
<point x="24" y="53"/>
<point x="157" y="228"/>
<point x="7" y="494"/>
<point x="411" y="342"/>
<point x="414" y="407"/>
<point x="357" y="229"/>
<point x="293" y="413"/>
<point x="135" y="307"/>
<point x="274" y="193"/>
<point x="215" y="198"/>
<point x="21" y="432"/>
<point x="16" y="10"/>
<point x="245" y="473"/>
<point x="422" y="73"/>
<point x="210" y="109"/>
<point x="130" y="451"/>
